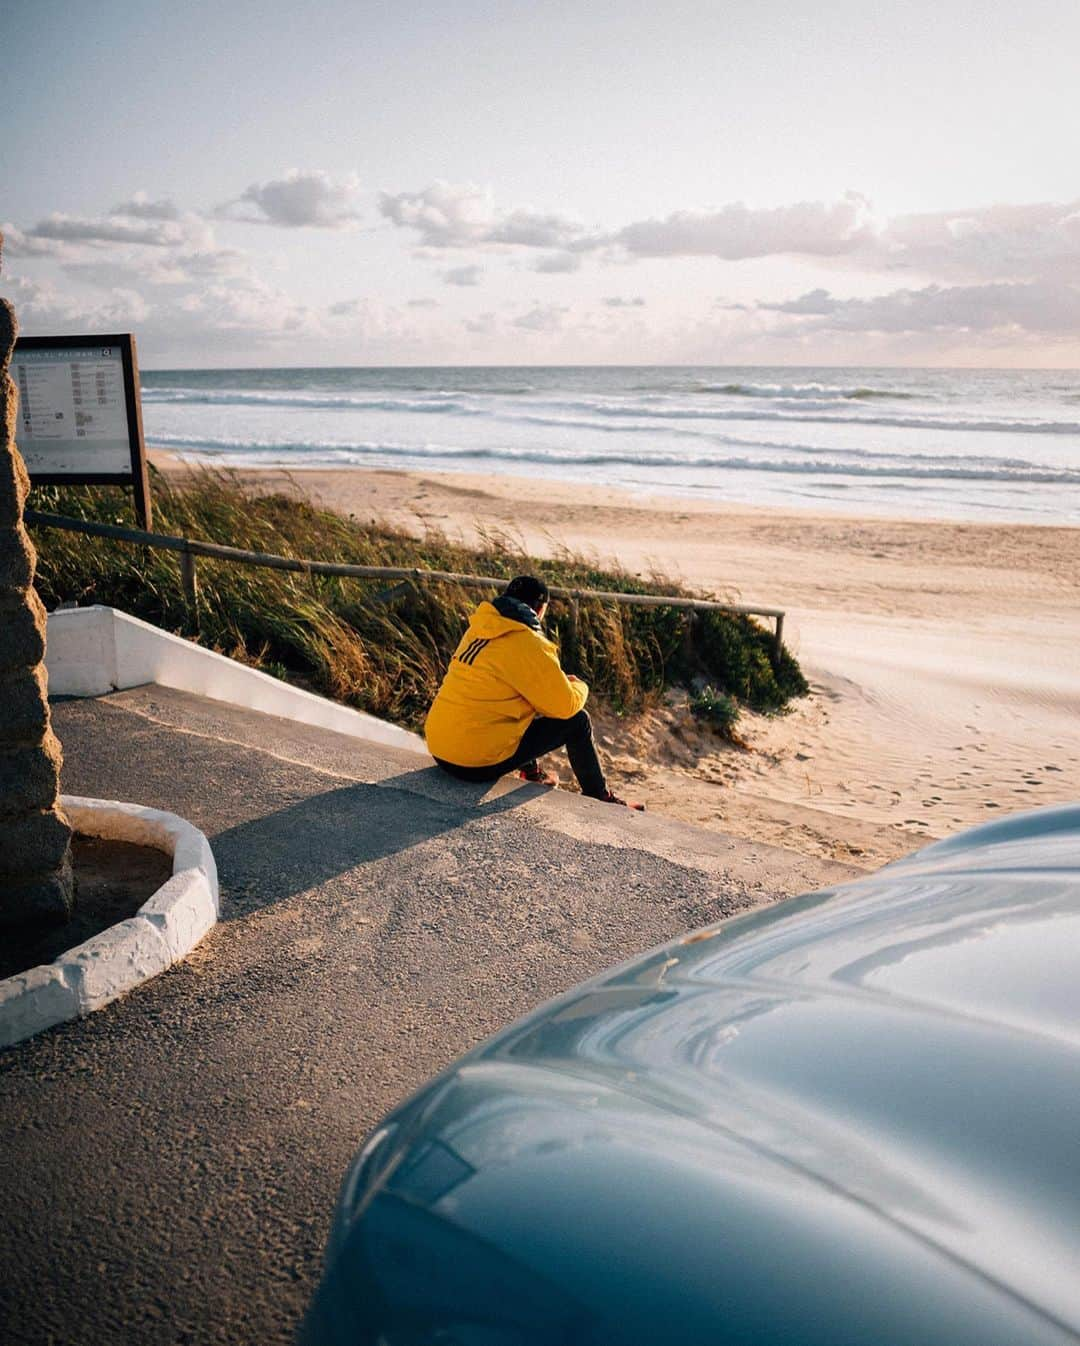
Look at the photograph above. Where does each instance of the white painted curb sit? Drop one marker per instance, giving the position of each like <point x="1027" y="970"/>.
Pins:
<point x="164" y="930"/>
<point x="95" y="650"/>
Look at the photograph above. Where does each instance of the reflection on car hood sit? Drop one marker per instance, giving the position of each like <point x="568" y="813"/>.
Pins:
<point x="857" y="1108"/>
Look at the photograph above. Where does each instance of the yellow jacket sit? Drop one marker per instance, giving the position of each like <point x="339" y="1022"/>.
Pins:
<point x="503" y="674"/>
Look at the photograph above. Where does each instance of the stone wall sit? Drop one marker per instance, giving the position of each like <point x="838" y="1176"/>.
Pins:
<point x="36" y="884"/>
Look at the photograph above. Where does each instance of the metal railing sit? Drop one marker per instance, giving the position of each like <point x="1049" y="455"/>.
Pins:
<point x="190" y="548"/>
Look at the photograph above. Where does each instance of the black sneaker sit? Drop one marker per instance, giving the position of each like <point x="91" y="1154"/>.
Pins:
<point x="609" y="798"/>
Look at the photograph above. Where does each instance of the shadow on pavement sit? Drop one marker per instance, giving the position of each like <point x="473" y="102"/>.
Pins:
<point x="326" y="835"/>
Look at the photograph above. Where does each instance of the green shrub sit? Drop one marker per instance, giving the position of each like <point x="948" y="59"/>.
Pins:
<point x="716" y="709"/>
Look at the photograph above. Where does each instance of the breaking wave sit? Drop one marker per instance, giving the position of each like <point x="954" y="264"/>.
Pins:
<point x="594" y="413"/>
<point x="797" y="391"/>
<point x="312" y="453"/>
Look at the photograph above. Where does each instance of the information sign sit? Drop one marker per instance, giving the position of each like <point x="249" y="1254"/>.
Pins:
<point x="80" y="415"/>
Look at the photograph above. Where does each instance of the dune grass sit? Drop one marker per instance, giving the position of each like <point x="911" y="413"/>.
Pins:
<point x="376" y="645"/>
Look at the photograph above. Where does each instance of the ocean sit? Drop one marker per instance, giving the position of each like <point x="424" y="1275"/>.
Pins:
<point x="911" y="443"/>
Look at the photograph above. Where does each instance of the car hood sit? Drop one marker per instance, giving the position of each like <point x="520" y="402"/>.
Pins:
<point x="851" y="1116"/>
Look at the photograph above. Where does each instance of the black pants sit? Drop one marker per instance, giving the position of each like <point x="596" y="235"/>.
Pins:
<point x="545" y="735"/>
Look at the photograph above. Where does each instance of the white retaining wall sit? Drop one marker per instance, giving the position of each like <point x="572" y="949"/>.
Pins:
<point x="95" y="650"/>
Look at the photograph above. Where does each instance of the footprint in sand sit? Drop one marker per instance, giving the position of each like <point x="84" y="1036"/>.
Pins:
<point x="989" y="804"/>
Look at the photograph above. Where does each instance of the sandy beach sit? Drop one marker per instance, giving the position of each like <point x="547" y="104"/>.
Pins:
<point x="942" y="656"/>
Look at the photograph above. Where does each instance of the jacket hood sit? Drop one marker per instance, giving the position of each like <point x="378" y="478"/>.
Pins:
<point x="502" y="617"/>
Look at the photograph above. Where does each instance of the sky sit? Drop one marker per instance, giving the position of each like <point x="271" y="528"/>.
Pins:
<point x="350" y="183"/>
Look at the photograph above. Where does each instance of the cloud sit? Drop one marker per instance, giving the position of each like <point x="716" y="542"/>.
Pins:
<point x="187" y="300"/>
<point x="62" y="228"/>
<point x="1035" y="307"/>
<point x="41" y="304"/>
<point x="542" y="318"/>
<point x="250" y="308"/>
<point x="529" y="229"/>
<point x="139" y="223"/>
<point x="814" y="228"/>
<point x="213" y="261"/>
<point x="244" y="306"/>
<point x="444" y="215"/>
<point x="461" y="215"/>
<point x="153" y="267"/>
<point x="999" y="242"/>
<point x="1002" y="243"/>
<point x="20" y="244"/>
<point x="483" y="325"/>
<point x="163" y="268"/>
<point x="369" y="318"/>
<point x="973" y="278"/>
<point x="463" y="275"/>
<point x="300" y="200"/>
<point x="813" y="303"/>
<point x="558" y="263"/>
<point x="118" y="274"/>
<point x="141" y="207"/>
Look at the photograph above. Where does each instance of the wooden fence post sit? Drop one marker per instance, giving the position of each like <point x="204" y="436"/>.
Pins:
<point x="190" y="584"/>
<point x="688" y="637"/>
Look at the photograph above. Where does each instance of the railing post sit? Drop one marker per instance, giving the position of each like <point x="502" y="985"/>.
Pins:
<point x="689" y="634"/>
<point x="393" y="593"/>
<point x="779" y="636"/>
<point x="190" y="584"/>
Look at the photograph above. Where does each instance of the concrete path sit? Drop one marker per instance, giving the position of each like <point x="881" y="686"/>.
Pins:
<point x="169" y="1164"/>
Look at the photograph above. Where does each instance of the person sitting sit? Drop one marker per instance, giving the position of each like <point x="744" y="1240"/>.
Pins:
<point x="505" y="700"/>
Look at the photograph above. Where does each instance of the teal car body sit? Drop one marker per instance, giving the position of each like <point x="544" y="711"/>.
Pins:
<point x="850" y="1119"/>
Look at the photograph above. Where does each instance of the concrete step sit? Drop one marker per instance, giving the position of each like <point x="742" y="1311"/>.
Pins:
<point x="772" y="868"/>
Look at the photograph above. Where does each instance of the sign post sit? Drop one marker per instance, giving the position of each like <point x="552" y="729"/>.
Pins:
<point x="80" y="413"/>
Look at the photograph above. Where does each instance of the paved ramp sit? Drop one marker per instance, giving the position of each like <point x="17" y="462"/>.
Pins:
<point x="170" y="1163"/>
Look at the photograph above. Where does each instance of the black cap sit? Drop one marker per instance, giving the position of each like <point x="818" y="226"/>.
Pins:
<point x="528" y="589"/>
